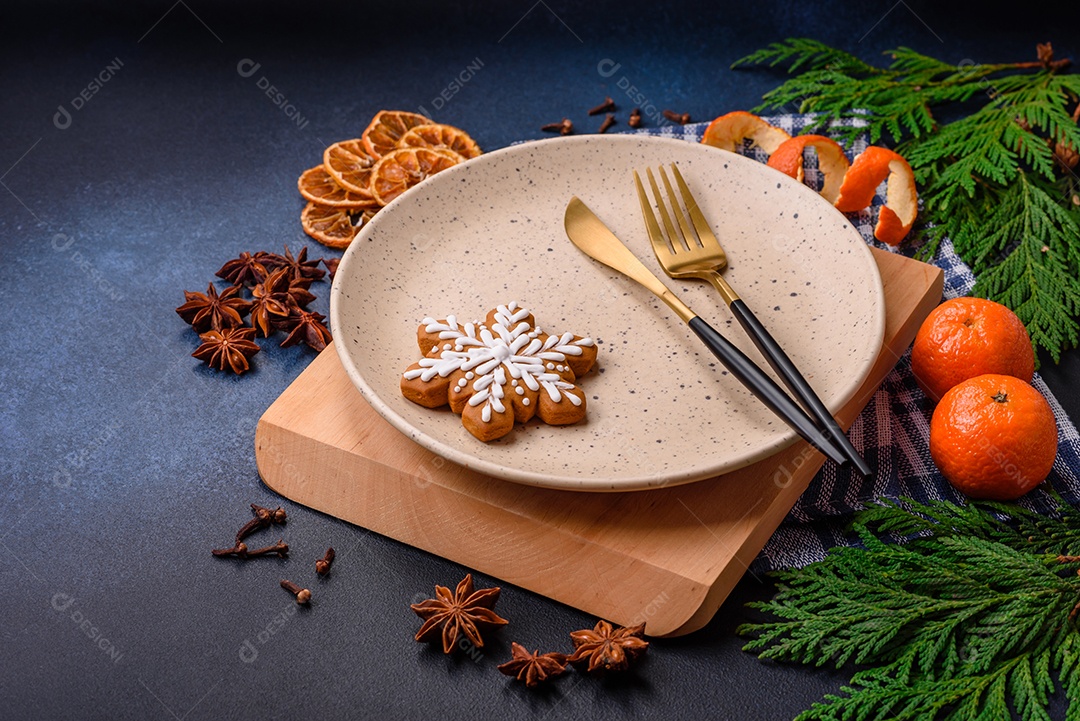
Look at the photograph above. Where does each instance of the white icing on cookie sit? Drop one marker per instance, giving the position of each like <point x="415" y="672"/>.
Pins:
<point x="509" y="351"/>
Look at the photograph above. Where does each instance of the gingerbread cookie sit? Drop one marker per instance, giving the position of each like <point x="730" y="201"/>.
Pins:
<point x="499" y="372"/>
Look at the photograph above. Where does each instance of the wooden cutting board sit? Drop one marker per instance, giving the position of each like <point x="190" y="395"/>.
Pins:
<point x="667" y="556"/>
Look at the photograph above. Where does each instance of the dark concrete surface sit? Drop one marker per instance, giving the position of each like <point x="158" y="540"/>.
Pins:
<point x="125" y="460"/>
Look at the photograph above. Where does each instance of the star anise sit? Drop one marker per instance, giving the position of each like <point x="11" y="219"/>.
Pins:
<point x="332" y="266"/>
<point x="463" y="612"/>
<point x="305" y="326"/>
<point x="245" y="270"/>
<point x="299" y="267"/>
<point x="227" y="349"/>
<point x="298" y="290"/>
<point x="533" y="668"/>
<point x="270" y="298"/>
<point x="606" y="648"/>
<point x="209" y="310"/>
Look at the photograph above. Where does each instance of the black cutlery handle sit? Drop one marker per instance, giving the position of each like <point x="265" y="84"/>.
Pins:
<point x="764" y="389"/>
<point x="796" y="383"/>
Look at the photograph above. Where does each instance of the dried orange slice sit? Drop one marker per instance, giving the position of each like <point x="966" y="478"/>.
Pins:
<point x="335" y="227"/>
<point x="318" y="186"/>
<point x="788" y="159"/>
<point x="401" y="169"/>
<point x="441" y="137"/>
<point x="729" y="131"/>
<point x="870" y="167"/>
<point x="386" y="128"/>
<point x="350" y="166"/>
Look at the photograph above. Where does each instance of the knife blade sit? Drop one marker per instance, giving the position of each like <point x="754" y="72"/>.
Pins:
<point x="595" y="240"/>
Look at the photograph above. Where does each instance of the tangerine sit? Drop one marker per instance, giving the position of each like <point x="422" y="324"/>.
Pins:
<point x="994" y="437"/>
<point x="386" y="128"/>
<point x="333" y="227"/>
<point x="318" y="186"/>
<point x="349" y="164"/>
<point x="440" y="137"/>
<point x="967" y="337"/>
<point x="401" y="169"/>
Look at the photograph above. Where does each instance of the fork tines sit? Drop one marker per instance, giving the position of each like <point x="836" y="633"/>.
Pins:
<point x="683" y="232"/>
<point x="693" y="235"/>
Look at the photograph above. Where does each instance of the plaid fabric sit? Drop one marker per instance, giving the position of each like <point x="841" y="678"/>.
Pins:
<point x="893" y="431"/>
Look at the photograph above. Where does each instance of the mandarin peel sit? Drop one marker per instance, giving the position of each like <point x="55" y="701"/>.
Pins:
<point x="729" y="131"/>
<point x="870" y="168"/>
<point x="833" y="163"/>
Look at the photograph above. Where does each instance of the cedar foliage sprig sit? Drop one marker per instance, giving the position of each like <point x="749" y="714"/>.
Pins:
<point x="996" y="180"/>
<point x="974" y="614"/>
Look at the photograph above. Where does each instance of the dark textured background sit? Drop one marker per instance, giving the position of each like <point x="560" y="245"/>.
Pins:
<point x="125" y="460"/>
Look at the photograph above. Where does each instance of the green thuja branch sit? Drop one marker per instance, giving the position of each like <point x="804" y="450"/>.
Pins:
<point x="951" y="612"/>
<point x="998" y="180"/>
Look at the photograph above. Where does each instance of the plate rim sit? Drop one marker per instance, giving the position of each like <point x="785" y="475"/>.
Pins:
<point x="564" y="482"/>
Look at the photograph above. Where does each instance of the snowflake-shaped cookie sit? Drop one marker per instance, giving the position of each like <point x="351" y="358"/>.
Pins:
<point x="499" y="372"/>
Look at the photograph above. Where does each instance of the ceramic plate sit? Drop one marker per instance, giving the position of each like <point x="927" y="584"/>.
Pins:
<point x="661" y="408"/>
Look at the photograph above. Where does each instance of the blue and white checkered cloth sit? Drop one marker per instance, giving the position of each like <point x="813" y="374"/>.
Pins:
<point x="893" y="431"/>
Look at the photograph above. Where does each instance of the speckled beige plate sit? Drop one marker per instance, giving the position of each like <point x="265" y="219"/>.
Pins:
<point x="661" y="409"/>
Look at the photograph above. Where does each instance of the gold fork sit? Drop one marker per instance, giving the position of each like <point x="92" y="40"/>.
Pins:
<point x="694" y="252"/>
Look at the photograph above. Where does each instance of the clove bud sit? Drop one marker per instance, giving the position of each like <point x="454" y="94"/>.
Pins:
<point x="680" y="118"/>
<point x="240" y="550"/>
<point x="608" y="122"/>
<point x="303" y="596"/>
<point x="635" y="118"/>
<point x="280" y="548"/>
<point x="263" y="518"/>
<point x="322" y="566"/>
<point x="603" y="107"/>
<point x="565" y="127"/>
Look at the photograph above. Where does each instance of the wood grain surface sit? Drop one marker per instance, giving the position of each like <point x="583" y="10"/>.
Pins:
<point x="668" y="556"/>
